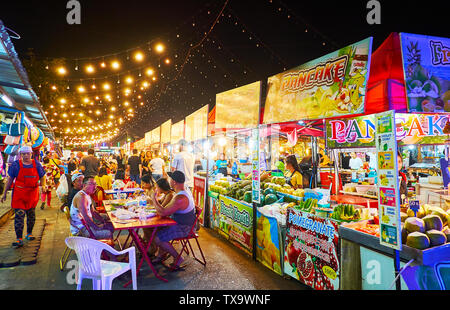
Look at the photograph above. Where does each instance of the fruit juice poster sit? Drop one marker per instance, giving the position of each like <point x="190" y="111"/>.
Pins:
<point x="426" y="67"/>
<point x="387" y="178"/>
<point x="387" y="196"/>
<point x="388" y="234"/>
<point x="214" y="212"/>
<point x="268" y="242"/>
<point x="330" y="86"/>
<point x="384" y="123"/>
<point x="312" y="250"/>
<point x="236" y="222"/>
<point x="386" y="160"/>
<point x="199" y="194"/>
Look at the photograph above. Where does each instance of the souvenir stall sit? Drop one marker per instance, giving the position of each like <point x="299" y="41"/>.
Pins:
<point x="196" y="129"/>
<point x="232" y="138"/>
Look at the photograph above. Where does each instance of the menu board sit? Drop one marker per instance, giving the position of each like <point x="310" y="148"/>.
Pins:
<point x="426" y="65"/>
<point x="332" y="85"/>
<point x="255" y="166"/>
<point x="165" y="131"/>
<point x="239" y="107"/>
<point x="388" y="181"/>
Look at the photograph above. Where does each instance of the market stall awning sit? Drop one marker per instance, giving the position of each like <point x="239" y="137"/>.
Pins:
<point x="16" y="93"/>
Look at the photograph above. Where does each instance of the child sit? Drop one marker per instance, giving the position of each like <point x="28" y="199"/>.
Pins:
<point x="47" y="191"/>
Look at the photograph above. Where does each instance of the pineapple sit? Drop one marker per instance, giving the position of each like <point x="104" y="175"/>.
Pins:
<point x="413" y="58"/>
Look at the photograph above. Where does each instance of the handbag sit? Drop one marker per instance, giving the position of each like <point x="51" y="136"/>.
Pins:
<point x="12" y="149"/>
<point x="16" y="128"/>
<point x="12" y="140"/>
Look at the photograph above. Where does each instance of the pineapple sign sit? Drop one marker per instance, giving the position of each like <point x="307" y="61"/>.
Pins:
<point x="333" y="85"/>
<point x="426" y="65"/>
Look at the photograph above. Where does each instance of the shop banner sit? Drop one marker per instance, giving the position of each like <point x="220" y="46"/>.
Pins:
<point x="238" y="108"/>
<point x="214" y="208"/>
<point x="156" y="135"/>
<point x="312" y="250"/>
<point x="388" y="181"/>
<point x="165" y="131"/>
<point x="199" y="193"/>
<point x="236" y="222"/>
<point x="177" y="132"/>
<point x="196" y="125"/>
<point x="411" y="129"/>
<point x="330" y="86"/>
<point x="426" y="65"/>
<point x="269" y="248"/>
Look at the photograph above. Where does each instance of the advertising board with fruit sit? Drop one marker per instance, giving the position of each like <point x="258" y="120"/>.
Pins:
<point x="269" y="246"/>
<point x="427" y="75"/>
<point x="236" y="222"/>
<point x="312" y="250"/>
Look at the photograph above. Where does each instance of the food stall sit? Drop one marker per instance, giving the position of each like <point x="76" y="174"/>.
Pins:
<point x="236" y="117"/>
<point x="297" y="102"/>
<point x="166" y="129"/>
<point x="416" y="91"/>
<point x="196" y="129"/>
<point x="155" y="146"/>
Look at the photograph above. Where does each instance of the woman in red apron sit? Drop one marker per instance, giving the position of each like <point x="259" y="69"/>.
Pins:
<point x="26" y="174"/>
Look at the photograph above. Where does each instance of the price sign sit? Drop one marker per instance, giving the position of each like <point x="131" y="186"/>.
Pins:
<point x="415" y="206"/>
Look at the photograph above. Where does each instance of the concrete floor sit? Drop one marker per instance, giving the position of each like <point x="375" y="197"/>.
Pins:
<point x="227" y="267"/>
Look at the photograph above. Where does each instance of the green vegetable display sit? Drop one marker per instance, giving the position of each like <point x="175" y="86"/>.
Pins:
<point x="346" y="213"/>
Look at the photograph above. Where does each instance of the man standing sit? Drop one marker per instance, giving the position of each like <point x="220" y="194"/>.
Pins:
<point x="90" y="164"/>
<point x="135" y="167"/>
<point x="72" y="163"/>
<point x="184" y="161"/>
<point x="157" y="165"/>
<point x="27" y="175"/>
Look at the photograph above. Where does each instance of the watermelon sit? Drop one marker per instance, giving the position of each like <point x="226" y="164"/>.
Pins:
<point x="270" y="198"/>
<point x="248" y="196"/>
<point x="268" y="191"/>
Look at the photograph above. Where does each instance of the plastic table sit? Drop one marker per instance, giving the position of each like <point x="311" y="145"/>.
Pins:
<point x="127" y="191"/>
<point x="133" y="227"/>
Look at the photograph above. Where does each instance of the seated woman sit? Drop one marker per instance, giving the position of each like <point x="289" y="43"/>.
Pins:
<point x="119" y="179"/>
<point x="164" y="192"/>
<point x="148" y="185"/>
<point x="104" y="180"/>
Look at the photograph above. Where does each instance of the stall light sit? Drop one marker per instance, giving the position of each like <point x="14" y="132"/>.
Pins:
<point x="222" y="141"/>
<point x="411" y="147"/>
<point x="8" y="100"/>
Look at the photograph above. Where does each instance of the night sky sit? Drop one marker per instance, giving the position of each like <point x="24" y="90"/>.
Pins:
<point x="252" y="41"/>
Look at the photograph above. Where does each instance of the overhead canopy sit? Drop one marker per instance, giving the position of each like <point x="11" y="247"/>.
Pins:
<point x="16" y="92"/>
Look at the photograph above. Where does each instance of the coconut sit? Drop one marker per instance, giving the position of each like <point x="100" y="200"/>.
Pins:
<point x="418" y="240"/>
<point x="446" y="232"/>
<point x="442" y="214"/>
<point x="413" y="224"/>
<point x="403" y="216"/>
<point x="420" y="213"/>
<point x="436" y="237"/>
<point x="432" y="222"/>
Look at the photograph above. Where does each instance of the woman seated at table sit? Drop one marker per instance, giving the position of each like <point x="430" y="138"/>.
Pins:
<point x="148" y="185"/>
<point x="104" y="180"/>
<point x="182" y="210"/>
<point x="164" y="192"/>
<point x="119" y="179"/>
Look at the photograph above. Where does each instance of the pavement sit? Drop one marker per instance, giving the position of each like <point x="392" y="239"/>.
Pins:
<point x="227" y="268"/>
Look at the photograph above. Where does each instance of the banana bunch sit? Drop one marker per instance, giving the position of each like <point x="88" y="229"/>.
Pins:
<point x="307" y="205"/>
<point x="345" y="213"/>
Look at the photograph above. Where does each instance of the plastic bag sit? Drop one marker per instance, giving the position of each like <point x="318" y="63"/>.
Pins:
<point x="63" y="188"/>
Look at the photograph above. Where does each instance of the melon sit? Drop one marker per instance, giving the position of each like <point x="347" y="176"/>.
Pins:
<point x="436" y="237"/>
<point x="442" y="214"/>
<point x="413" y="224"/>
<point x="446" y="232"/>
<point x="432" y="222"/>
<point x="418" y="240"/>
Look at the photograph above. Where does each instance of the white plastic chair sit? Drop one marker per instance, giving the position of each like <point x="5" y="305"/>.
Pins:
<point x="102" y="272"/>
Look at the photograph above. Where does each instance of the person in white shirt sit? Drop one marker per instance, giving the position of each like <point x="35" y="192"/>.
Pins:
<point x="355" y="162"/>
<point x="157" y="165"/>
<point x="184" y="161"/>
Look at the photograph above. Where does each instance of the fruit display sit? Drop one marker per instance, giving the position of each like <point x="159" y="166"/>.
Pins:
<point x="346" y="213"/>
<point x="307" y="206"/>
<point x="427" y="229"/>
<point x="370" y="227"/>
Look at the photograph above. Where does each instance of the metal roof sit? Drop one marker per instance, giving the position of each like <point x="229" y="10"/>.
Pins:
<point x="16" y="92"/>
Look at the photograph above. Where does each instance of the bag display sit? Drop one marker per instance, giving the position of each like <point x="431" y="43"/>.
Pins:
<point x="12" y="149"/>
<point x="16" y="128"/>
<point x="12" y="140"/>
<point x="63" y="188"/>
